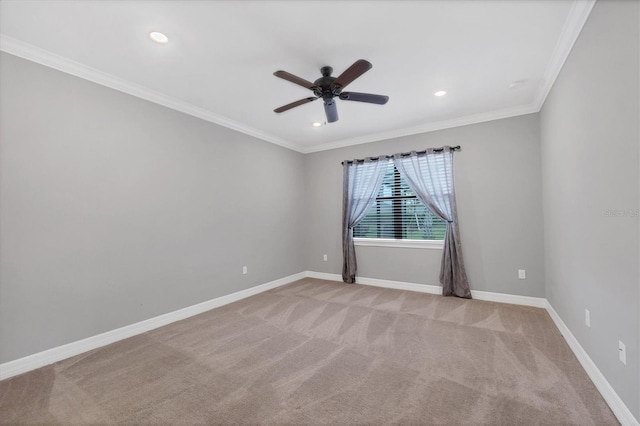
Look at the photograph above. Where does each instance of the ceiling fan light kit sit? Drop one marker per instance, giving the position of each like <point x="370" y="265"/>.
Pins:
<point x="328" y="88"/>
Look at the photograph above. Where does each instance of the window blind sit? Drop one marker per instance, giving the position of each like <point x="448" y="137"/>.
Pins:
<point x="399" y="214"/>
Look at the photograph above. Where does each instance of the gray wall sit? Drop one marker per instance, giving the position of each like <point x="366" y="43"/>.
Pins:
<point x="114" y="210"/>
<point x="589" y="136"/>
<point x="499" y="194"/>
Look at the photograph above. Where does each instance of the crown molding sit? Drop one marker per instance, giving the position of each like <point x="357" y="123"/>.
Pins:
<point x="576" y="19"/>
<point x="60" y="63"/>
<point x="428" y="127"/>
<point x="578" y="15"/>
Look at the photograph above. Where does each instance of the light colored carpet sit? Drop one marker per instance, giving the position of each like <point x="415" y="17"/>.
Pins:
<point x="321" y="352"/>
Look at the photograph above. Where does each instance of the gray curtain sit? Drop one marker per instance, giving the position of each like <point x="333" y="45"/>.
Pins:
<point x="360" y="186"/>
<point x="430" y="176"/>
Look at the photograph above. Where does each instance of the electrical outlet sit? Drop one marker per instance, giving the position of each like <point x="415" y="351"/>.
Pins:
<point x="522" y="274"/>
<point x="324" y="257"/>
<point x="587" y="318"/>
<point x="622" y="352"/>
<point x="244" y="270"/>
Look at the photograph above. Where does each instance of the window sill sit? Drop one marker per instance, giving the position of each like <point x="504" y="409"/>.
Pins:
<point x="383" y="242"/>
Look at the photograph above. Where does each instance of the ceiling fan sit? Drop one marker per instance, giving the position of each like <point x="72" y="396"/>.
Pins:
<point x="328" y="87"/>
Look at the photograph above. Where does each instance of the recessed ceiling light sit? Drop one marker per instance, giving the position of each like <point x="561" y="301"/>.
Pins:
<point x="440" y="93"/>
<point x="317" y="124"/>
<point x="158" y="37"/>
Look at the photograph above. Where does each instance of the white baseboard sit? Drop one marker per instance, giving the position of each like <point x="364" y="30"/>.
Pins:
<point x="50" y="356"/>
<point x="513" y="299"/>
<point x="624" y="415"/>
<point x="422" y="288"/>
<point x="323" y="276"/>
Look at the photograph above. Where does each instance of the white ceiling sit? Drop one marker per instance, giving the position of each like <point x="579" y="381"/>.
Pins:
<point x="219" y="62"/>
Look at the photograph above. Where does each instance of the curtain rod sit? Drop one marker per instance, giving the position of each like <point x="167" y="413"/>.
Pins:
<point x="404" y="154"/>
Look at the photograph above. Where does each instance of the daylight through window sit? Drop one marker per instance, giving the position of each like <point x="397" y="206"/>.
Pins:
<point x="398" y="214"/>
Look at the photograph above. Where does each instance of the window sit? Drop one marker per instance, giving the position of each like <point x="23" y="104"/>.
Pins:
<point x="399" y="218"/>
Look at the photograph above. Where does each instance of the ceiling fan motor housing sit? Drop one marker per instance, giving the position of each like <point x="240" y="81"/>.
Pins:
<point x="323" y="85"/>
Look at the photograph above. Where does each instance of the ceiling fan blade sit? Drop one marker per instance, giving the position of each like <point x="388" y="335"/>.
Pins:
<point x="294" y="104"/>
<point x="358" y="68"/>
<point x="294" y="79"/>
<point x="330" y="110"/>
<point x="364" y="97"/>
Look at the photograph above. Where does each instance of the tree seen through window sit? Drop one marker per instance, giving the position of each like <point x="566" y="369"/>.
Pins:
<point x="398" y="214"/>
